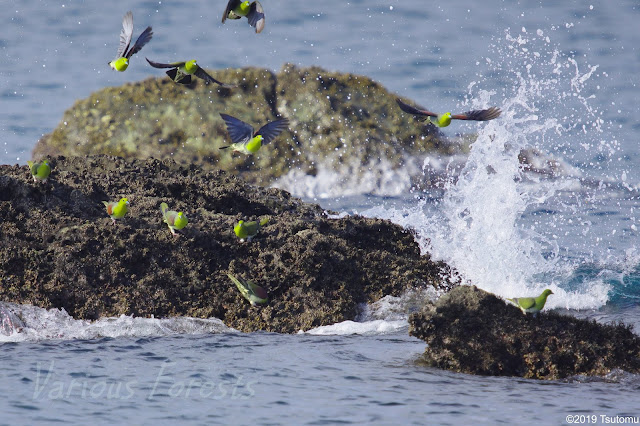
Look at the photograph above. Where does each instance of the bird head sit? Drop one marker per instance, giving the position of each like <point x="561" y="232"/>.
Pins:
<point x="191" y="65"/>
<point x="240" y="222"/>
<point x="124" y="201"/>
<point x="547" y="292"/>
<point x="246" y="4"/>
<point x="45" y="162"/>
<point x="120" y="64"/>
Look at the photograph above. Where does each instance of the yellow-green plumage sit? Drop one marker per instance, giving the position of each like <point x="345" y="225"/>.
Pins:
<point x="39" y="171"/>
<point x="443" y="120"/>
<point x="174" y="220"/>
<point x="250" y="291"/>
<point x="244" y="140"/>
<point x="117" y="210"/>
<point x="532" y="304"/>
<point x="253" y="11"/>
<point x="121" y="61"/>
<point x="181" y="72"/>
<point x="248" y="230"/>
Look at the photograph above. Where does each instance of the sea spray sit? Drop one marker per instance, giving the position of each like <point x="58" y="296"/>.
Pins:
<point x="478" y="227"/>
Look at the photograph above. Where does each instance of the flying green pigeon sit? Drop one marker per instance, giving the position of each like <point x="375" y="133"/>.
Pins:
<point x="175" y="220"/>
<point x="236" y="9"/>
<point x="443" y="120"/>
<point x="117" y="210"/>
<point x="532" y="304"/>
<point x="121" y="62"/>
<point x="39" y="171"/>
<point x="244" y="140"/>
<point x="181" y="72"/>
<point x="252" y="292"/>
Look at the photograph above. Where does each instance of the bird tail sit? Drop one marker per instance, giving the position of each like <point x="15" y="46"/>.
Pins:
<point x="225" y="147"/>
<point x="106" y="203"/>
<point x="264" y="221"/>
<point x="163" y="208"/>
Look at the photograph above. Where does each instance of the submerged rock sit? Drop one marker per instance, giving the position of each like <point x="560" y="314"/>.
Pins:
<point x="471" y="331"/>
<point x="342" y="122"/>
<point x="59" y="248"/>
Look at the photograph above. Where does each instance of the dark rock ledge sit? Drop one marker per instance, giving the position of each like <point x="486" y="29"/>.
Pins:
<point x="471" y="331"/>
<point x="59" y="248"/>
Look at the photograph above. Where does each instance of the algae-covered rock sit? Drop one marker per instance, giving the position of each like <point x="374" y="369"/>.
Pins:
<point x="340" y="121"/>
<point x="60" y="249"/>
<point x="471" y="331"/>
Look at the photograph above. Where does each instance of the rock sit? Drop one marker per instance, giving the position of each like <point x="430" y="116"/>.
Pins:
<point x="342" y="122"/>
<point x="471" y="331"/>
<point x="60" y="249"/>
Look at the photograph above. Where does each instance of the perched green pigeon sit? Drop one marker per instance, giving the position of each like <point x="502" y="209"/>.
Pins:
<point x="252" y="292"/>
<point x="175" y="220"/>
<point x="443" y="120"/>
<point x="39" y="171"/>
<point x="181" y="72"/>
<point x="121" y="62"/>
<point x="532" y="304"/>
<point x="248" y="230"/>
<point x="244" y="140"/>
<point x="117" y="210"/>
<point x="236" y="9"/>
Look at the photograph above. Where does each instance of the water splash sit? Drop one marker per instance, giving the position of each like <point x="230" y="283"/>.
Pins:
<point x="478" y="226"/>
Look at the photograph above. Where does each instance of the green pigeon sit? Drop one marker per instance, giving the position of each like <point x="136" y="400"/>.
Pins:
<point x="39" y="171"/>
<point x="121" y="62"/>
<point x="116" y="210"/>
<point x="175" y="220"/>
<point x="236" y="9"/>
<point x="532" y="304"/>
<point x="245" y="140"/>
<point x="252" y="292"/>
<point x="248" y="230"/>
<point x="181" y="72"/>
<point x="443" y="120"/>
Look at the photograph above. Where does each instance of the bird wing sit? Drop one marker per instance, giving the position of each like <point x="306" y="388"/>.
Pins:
<point x="161" y="65"/>
<point x="421" y="114"/>
<point x="256" y="16"/>
<point x="526" y="302"/>
<point x="140" y="42"/>
<point x="170" y="217"/>
<point x="230" y="6"/>
<point x="257" y="290"/>
<point x="125" y="34"/>
<point x="479" y="115"/>
<point x="109" y="206"/>
<point x="239" y="131"/>
<point x="206" y="77"/>
<point x="270" y="131"/>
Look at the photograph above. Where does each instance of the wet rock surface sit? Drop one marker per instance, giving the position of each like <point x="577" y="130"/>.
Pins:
<point x="60" y="249"/>
<point x="471" y="331"/>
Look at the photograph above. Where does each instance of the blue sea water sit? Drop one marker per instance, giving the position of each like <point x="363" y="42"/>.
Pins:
<point x="565" y="76"/>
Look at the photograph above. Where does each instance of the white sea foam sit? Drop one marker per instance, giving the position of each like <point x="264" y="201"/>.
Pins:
<point x="36" y="324"/>
<point x="387" y="315"/>
<point x="367" y="327"/>
<point x="377" y="177"/>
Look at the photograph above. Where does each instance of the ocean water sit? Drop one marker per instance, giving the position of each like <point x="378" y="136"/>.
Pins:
<point x="565" y="76"/>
